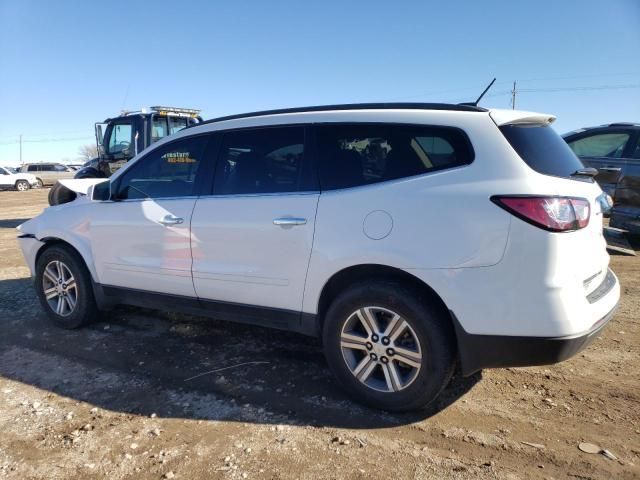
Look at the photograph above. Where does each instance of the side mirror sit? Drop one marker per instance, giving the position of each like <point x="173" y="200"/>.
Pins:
<point x="100" y="192"/>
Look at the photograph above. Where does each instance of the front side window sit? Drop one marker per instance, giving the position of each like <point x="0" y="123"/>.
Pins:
<point x="610" y="145"/>
<point x="121" y="137"/>
<point x="3" y="171"/>
<point x="166" y="172"/>
<point x="59" y="168"/>
<point x="267" y="160"/>
<point x="352" y="155"/>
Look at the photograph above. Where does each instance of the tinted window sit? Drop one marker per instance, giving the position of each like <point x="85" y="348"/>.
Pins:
<point x="33" y="168"/>
<point x="266" y="160"/>
<point x="636" y="151"/>
<point x="600" y="145"/>
<point x="59" y="168"/>
<point x="352" y="155"/>
<point x="121" y="136"/>
<point x="158" y="128"/>
<point x="45" y="168"/>
<point x="168" y="171"/>
<point x="542" y="149"/>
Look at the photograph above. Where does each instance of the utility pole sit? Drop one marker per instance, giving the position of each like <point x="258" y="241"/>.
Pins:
<point x="20" y="149"/>
<point x="513" y="96"/>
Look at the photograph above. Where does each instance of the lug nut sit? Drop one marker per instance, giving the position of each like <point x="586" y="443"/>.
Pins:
<point x="373" y="356"/>
<point x="385" y="340"/>
<point x="384" y="359"/>
<point x="369" y="345"/>
<point x="374" y="337"/>
<point x="391" y="352"/>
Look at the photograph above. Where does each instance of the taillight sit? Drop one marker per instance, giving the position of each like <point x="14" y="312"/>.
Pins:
<point x="556" y="214"/>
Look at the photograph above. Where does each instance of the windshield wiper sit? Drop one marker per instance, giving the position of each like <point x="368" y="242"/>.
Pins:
<point x="585" y="172"/>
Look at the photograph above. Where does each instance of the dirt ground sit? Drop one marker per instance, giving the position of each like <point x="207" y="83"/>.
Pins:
<point x="118" y="400"/>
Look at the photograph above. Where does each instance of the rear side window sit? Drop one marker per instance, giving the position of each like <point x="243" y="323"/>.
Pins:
<point x="266" y="160"/>
<point x="360" y="154"/>
<point x="610" y="145"/>
<point x="542" y="149"/>
<point x="33" y="168"/>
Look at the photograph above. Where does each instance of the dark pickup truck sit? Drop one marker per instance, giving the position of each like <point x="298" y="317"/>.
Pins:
<point x="614" y="150"/>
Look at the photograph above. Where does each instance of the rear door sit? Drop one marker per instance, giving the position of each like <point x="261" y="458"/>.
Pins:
<point x="628" y="189"/>
<point x="604" y="150"/>
<point x="252" y="237"/>
<point x="546" y="152"/>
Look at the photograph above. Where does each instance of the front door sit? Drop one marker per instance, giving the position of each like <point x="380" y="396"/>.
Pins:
<point x="141" y="238"/>
<point x="603" y="151"/>
<point x="252" y="238"/>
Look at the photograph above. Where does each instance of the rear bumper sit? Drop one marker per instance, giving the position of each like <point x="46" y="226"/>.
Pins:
<point x="497" y="351"/>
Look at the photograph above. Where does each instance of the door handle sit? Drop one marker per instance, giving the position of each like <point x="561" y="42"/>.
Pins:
<point x="171" y="220"/>
<point x="611" y="169"/>
<point x="289" y="221"/>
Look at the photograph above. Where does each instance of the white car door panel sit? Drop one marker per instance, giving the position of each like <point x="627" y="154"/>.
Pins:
<point x="251" y="241"/>
<point x="253" y="250"/>
<point x="142" y="240"/>
<point x="133" y="248"/>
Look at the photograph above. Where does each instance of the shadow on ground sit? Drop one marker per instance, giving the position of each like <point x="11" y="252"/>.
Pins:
<point x="141" y="361"/>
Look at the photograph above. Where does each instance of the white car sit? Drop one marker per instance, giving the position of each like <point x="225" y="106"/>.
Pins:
<point x="410" y="238"/>
<point x="18" y="181"/>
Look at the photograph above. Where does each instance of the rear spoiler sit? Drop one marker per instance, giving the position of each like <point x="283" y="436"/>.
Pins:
<point x="516" y="117"/>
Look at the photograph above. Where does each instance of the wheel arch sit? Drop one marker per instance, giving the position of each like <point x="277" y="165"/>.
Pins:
<point x="356" y="273"/>
<point x="50" y="241"/>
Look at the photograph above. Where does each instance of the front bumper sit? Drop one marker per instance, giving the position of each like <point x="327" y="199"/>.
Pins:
<point x="30" y="245"/>
<point x="498" y="351"/>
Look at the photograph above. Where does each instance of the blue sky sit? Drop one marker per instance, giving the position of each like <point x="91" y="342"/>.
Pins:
<point x="65" y="65"/>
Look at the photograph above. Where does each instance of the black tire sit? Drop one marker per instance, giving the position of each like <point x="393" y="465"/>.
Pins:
<point x="85" y="309"/>
<point x="22" y="185"/>
<point x="432" y="329"/>
<point x="40" y="183"/>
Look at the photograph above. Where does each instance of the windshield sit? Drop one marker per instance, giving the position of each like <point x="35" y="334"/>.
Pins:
<point x="542" y="149"/>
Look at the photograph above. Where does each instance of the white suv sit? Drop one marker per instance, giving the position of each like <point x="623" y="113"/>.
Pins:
<point x="410" y="238"/>
<point x="19" y="181"/>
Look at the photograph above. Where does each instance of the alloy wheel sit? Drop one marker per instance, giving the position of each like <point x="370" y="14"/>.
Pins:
<point x="381" y="349"/>
<point x="59" y="287"/>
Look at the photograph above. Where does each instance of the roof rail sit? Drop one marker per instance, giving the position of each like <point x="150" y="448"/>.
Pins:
<point x="623" y="124"/>
<point x="352" y="106"/>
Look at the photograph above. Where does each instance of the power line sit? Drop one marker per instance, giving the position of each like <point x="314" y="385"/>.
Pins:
<point x="47" y="140"/>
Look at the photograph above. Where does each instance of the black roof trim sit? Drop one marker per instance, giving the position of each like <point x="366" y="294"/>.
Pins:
<point x="351" y="106"/>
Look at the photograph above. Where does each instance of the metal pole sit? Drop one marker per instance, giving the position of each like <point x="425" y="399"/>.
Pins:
<point x="20" y="149"/>
<point x="513" y="96"/>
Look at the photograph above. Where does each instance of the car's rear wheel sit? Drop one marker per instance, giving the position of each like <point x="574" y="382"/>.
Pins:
<point x="40" y="183"/>
<point x="22" y="185"/>
<point x="388" y="347"/>
<point x="63" y="285"/>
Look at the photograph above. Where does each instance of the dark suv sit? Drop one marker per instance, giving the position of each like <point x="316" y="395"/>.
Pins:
<point x="615" y="151"/>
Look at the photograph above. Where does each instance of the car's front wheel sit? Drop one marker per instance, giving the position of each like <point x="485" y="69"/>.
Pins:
<point x="388" y="347"/>
<point x="63" y="285"/>
<point x="22" y="185"/>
